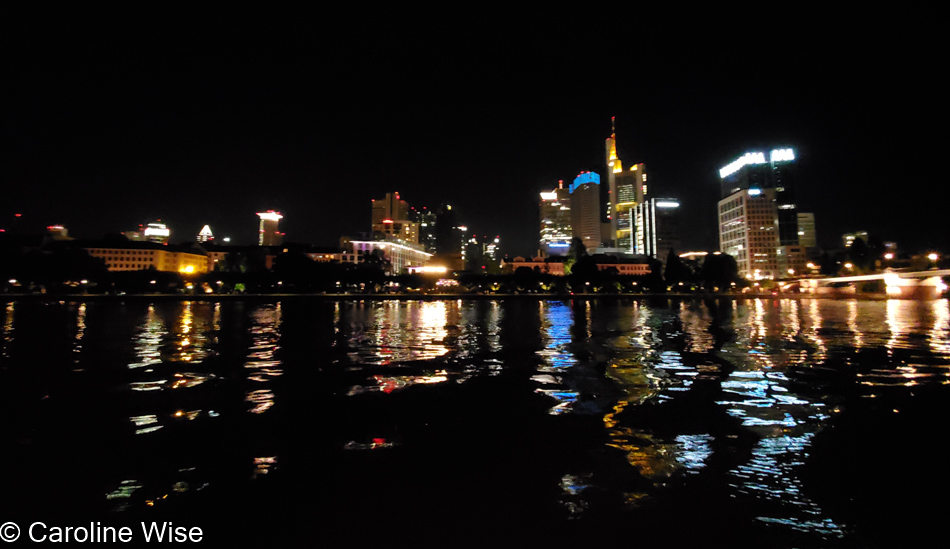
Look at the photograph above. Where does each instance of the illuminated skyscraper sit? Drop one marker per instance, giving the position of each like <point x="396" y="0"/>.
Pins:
<point x="556" y="233"/>
<point x="389" y="207"/>
<point x="658" y="227"/>
<point x="205" y="235"/>
<point x="753" y="171"/>
<point x="391" y="220"/>
<point x="585" y="208"/>
<point x="269" y="234"/>
<point x="157" y="232"/>
<point x="848" y="239"/>
<point x="428" y="223"/>
<point x="58" y="232"/>
<point x="806" y="230"/>
<point x="448" y="232"/>
<point x="757" y="212"/>
<point x="626" y="189"/>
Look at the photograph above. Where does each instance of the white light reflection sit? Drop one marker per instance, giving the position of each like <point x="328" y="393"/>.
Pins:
<point x="853" y="324"/>
<point x="694" y="451"/>
<point x="148" y="342"/>
<point x="939" y="335"/>
<point x="901" y="320"/>
<point x="262" y="364"/>
<point x="771" y="476"/>
<point x="814" y="330"/>
<point x="146" y="423"/>
<point x="401" y="331"/>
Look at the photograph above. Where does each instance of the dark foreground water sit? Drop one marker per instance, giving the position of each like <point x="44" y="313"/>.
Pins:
<point x="769" y="423"/>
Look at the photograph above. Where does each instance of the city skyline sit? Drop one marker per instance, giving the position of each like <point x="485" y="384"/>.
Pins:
<point x="123" y="127"/>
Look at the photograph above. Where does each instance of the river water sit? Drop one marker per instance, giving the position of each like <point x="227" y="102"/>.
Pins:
<point x="750" y="422"/>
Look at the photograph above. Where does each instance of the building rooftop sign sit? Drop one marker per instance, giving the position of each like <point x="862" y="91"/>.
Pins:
<point x="584" y="178"/>
<point x="777" y="155"/>
<point x="782" y="155"/>
<point x="744" y="160"/>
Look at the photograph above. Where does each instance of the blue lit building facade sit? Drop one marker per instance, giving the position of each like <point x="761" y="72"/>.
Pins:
<point x="585" y="209"/>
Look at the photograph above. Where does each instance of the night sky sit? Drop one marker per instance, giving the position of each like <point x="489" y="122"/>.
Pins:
<point x="110" y="119"/>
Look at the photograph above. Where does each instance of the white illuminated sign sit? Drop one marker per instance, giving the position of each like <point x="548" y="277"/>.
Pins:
<point x="744" y="160"/>
<point x="755" y="192"/>
<point x="549" y="196"/>
<point x="782" y="155"/>
<point x="667" y="204"/>
<point x="270" y="215"/>
<point x="436" y="270"/>
<point x="157" y="229"/>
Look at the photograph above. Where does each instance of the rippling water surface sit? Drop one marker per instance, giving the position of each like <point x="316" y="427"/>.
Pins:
<point x="771" y="423"/>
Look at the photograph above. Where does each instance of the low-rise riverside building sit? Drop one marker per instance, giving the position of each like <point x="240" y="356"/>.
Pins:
<point x="556" y="267"/>
<point x="138" y="256"/>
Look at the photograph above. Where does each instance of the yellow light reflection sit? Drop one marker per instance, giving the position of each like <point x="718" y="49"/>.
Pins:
<point x="853" y="324"/>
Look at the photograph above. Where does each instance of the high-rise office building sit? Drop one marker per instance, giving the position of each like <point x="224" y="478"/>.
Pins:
<point x="448" y="232"/>
<point x="268" y="233"/>
<point x="754" y="171"/>
<point x="849" y="238"/>
<point x="482" y="254"/>
<point x="757" y="212"/>
<point x="806" y="230"/>
<point x="748" y="231"/>
<point x="391" y="220"/>
<point x="205" y="235"/>
<point x="389" y="207"/>
<point x="626" y="189"/>
<point x="585" y="209"/>
<point x="58" y="232"/>
<point x="427" y="221"/>
<point x="157" y="232"/>
<point x="556" y="232"/>
<point x="658" y="227"/>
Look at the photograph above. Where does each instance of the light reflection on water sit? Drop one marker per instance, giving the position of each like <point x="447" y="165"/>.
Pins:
<point x="148" y="343"/>
<point x="7" y="328"/>
<point x="262" y="364"/>
<point x="394" y="331"/>
<point x="678" y="390"/>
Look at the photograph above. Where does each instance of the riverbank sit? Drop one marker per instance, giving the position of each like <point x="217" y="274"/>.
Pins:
<point x="432" y="297"/>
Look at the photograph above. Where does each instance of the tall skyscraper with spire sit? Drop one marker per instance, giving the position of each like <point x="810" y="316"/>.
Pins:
<point x="625" y="190"/>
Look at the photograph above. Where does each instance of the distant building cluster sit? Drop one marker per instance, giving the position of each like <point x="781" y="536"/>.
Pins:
<point x="615" y="217"/>
<point x="618" y="219"/>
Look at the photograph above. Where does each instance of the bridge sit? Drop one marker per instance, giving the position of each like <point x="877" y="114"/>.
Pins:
<point x="906" y="284"/>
